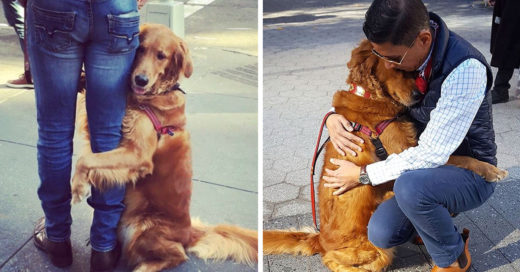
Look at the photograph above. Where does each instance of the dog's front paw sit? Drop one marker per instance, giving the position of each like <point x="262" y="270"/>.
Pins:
<point x="495" y="175"/>
<point x="79" y="188"/>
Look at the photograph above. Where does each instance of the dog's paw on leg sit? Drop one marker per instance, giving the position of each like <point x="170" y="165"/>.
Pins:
<point x="79" y="189"/>
<point x="495" y="175"/>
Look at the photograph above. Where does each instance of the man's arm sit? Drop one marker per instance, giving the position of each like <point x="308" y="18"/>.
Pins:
<point x="462" y="93"/>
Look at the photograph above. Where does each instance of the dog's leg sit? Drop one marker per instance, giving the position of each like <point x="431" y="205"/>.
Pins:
<point x="109" y="169"/>
<point x="154" y="248"/>
<point x="130" y="161"/>
<point x="79" y="185"/>
<point x="488" y="171"/>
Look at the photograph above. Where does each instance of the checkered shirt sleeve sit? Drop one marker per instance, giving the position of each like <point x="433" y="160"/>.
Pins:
<point x="462" y="93"/>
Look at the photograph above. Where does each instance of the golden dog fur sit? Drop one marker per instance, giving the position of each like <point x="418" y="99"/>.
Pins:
<point x="156" y="230"/>
<point x="342" y="240"/>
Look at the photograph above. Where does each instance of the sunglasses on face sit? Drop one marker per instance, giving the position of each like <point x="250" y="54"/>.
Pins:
<point x="395" y="60"/>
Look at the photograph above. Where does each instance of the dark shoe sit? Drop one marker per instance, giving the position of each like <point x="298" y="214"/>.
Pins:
<point x="499" y="97"/>
<point x="60" y="253"/>
<point x="498" y="100"/>
<point x="20" y="83"/>
<point x="464" y="259"/>
<point x="105" y="261"/>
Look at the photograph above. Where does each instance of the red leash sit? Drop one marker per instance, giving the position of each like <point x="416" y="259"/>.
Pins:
<point x="317" y="152"/>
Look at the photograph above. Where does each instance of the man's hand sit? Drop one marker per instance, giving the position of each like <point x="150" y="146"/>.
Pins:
<point x="491" y="2"/>
<point x="140" y="3"/>
<point x="340" y="136"/>
<point x="344" y="178"/>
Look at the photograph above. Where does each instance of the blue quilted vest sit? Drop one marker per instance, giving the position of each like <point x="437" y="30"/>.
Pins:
<point x="449" y="51"/>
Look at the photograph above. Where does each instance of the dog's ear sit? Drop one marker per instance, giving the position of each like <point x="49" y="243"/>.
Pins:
<point x="142" y="32"/>
<point x="364" y="73"/>
<point x="360" y="54"/>
<point x="183" y="59"/>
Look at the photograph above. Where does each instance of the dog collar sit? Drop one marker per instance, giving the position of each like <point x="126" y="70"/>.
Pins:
<point x="358" y="90"/>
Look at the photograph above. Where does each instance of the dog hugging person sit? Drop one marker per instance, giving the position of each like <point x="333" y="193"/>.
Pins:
<point x="453" y="117"/>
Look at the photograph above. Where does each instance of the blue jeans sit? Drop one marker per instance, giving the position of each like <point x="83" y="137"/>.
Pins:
<point x="62" y="36"/>
<point x="422" y="203"/>
<point x="14" y="14"/>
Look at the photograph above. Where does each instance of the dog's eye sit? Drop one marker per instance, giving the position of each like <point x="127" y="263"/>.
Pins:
<point x="161" y="55"/>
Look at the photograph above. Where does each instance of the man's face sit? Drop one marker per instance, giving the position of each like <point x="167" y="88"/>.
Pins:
<point x="402" y="57"/>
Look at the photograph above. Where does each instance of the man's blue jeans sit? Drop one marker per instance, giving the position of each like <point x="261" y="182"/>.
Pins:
<point x="62" y="36"/>
<point x="422" y="203"/>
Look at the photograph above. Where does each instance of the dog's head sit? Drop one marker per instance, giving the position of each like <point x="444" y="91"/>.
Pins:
<point x="161" y="60"/>
<point x="369" y="71"/>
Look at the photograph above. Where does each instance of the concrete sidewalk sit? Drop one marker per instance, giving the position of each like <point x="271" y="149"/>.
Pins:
<point x="306" y="48"/>
<point x="222" y="119"/>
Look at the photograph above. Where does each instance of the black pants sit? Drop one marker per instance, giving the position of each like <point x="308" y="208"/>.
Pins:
<point x="501" y="88"/>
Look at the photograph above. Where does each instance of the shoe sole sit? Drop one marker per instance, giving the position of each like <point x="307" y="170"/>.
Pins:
<point x="20" y="86"/>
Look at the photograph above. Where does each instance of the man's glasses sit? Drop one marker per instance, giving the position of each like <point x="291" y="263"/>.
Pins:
<point x="395" y="60"/>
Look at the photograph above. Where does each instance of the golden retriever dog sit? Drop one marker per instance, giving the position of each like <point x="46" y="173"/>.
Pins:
<point x="343" y="240"/>
<point x="156" y="230"/>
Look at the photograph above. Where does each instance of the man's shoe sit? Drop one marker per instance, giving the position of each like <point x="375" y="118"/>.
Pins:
<point x="105" y="261"/>
<point x="60" y="253"/>
<point x="499" y="96"/>
<point x="464" y="259"/>
<point x="495" y="99"/>
<point x="20" y="83"/>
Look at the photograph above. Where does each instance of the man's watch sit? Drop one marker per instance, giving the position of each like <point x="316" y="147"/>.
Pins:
<point x="363" y="176"/>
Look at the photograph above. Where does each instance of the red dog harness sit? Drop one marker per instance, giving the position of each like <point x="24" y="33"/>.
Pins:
<point x="155" y="121"/>
<point x="374" y="138"/>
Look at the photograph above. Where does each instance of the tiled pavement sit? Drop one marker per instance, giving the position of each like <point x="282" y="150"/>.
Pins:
<point x="306" y="47"/>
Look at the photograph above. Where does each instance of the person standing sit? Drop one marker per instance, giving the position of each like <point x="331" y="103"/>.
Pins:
<point x="62" y="37"/>
<point x="505" y="45"/>
<point x="14" y="13"/>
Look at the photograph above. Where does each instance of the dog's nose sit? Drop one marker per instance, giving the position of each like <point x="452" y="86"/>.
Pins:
<point x="141" y="80"/>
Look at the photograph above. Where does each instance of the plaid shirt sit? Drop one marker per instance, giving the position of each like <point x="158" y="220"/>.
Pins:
<point x="462" y="93"/>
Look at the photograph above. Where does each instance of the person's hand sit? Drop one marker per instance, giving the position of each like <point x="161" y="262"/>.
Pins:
<point x="140" y="3"/>
<point x="344" y="178"/>
<point x="491" y="2"/>
<point x="340" y="136"/>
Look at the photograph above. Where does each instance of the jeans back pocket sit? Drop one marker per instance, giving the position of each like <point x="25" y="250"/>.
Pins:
<point x="124" y="29"/>
<point x="53" y="28"/>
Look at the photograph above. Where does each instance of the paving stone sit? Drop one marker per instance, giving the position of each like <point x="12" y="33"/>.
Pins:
<point x="266" y="263"/>
<point x="281" y="223"/>
<point x="272" y="177"/>
<point x="287" y="263"/>
<point x="485" y="257"/>
<point x="281" y="192"/>
<point x="268" y="209"/>
<point x="298" y="177"/>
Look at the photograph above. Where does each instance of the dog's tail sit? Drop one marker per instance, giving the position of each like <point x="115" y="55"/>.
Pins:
<point x="223" y="242"/>
<point x="303" y="242"/>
